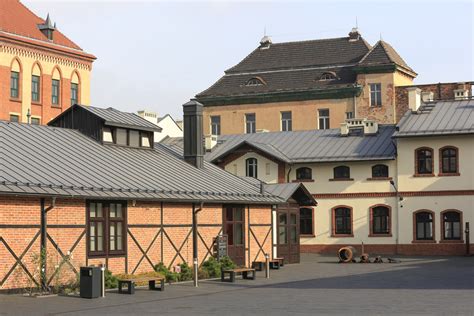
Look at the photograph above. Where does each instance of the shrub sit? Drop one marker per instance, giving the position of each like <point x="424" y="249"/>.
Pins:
<point x="227" y="263"/>
<point x="169" y="276"/>
<point x="186" y="272"/>
<point x="111" y="281"/>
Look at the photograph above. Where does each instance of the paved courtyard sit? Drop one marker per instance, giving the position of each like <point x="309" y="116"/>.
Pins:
<point x="319" y="285"/>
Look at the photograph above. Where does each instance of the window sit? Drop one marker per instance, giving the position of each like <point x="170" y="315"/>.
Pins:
<point x="35" y="88"/>
<point x="74" y="93"/>
<point x="380" y="220"/>
<point x="304" y="173"/>
<point x="15" y="84"/>
<point x="375" y="94"/>
<point x="323" y="118"/>
<point x="215" y="125"/>
<point x="449" y="160"/>
<point x="35" y="121"/>
<point x="133" y="138"/>
<point x="55" y="92"/>
<point x="327" y="76"/>
<point x="250" y="123"/>
<point x="380" y="171"/>
<point x="251" y="167"/>
<point x="286" y="121"/>
<point x="349" y="115"/>
<point x="342" y="172"/>
<point x="451" y="224"/>
<point x="121" y="136"/>
<point x="424" y="225"/>
<point x="14" y="118"/>
<point x="107" y="135"/>
<point x="424" y="161"/>
<point x="342" y="221"/>
<point x="253" y="82"/>
<point x="106" y="228"/>
<point x="306" y="221"/>
<point x="145" y="140"/>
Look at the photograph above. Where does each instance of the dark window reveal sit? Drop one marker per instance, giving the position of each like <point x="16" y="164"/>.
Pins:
<point x="286" y="122"/>
<point x="449" y="160"/>
<point x="251" y="167"/>
<point x="74" y="93"/>
<point x="250" y="123"/>
<point x="451" y="225"/>
<point x="306" y="221"/>
<point x="424" y="161"/>
<point x="342" y="221"/>
<point x="14" y="84"/>
<point x="304" y="173"/>
<point x="55" y="92"/>
<point x="342" y="172"/>
<point x="381" y="220"/>
<point x="380" y="171"/>
<point x="35" y="88"/>
<point x="424" y="226"/>
<point x="375" y="94"/>
<point x="215" y="125"/>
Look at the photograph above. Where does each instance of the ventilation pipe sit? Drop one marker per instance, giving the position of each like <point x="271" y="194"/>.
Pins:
<point x="193" y="133"/>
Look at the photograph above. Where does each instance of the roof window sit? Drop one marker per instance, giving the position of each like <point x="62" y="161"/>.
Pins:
<point x="253" y="82"/>
<point x="328" y="76"/>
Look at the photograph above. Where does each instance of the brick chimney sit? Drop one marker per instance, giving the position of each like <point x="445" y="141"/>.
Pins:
<point x="193" y="133"/>
<point x="414" y="98"/>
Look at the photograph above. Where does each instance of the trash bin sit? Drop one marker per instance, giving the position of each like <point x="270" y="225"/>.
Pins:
<point x="91" y="282"/>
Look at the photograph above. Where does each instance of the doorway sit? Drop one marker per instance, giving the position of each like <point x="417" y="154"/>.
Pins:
<point x="234" y="224"/>
<point x="288" y="234"/>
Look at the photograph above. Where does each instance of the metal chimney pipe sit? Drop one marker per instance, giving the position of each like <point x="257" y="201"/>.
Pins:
<point x="193" y="133"/>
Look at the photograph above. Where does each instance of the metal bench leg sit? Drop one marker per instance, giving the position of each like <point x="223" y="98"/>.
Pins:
<point x="151" y="285"/>
<point x="232" y="277"/>
<point x="131" y="288"/>
<point x="162" y="285"/>
<point x="120" y="284"/>
<point x="244" y="275"/>
<point x="222" y="276"/>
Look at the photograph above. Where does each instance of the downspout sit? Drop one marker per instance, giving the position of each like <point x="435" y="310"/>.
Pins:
<point x="195" y="242"/>
<point x="288" y="174"/>
<point x="397" y="202"/>
<point x="44" y="240"/>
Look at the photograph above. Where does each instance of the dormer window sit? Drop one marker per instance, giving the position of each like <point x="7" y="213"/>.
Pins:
<point x="145" y="139"/>
<point x="328" y="76"/>
<point x="107" y="135"/>
<point x="253" y="82"/>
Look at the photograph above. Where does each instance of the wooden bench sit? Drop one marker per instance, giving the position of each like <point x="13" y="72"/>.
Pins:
<point x="281" y="260"/>
<point x="232" y="272"/>
<point x="260" y="265"/>
<point x="131" y="284"/>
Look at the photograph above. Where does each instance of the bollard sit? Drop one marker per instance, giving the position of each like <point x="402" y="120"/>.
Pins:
<point x="102" y="269"/>
<point x="267" y="266"/>
<point x="196" y="266"/>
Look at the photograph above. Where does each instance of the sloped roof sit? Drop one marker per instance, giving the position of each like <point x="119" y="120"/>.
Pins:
<point x="45" y="160"/>
<point x="18" y="22"/>
<point x="384" y="54"/>
<point x="438" y="118"/>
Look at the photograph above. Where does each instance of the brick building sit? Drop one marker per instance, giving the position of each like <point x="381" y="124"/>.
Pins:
<point x="306" y="85"/>
<point x="42" y="72"/>
<point x="93" y="188"/>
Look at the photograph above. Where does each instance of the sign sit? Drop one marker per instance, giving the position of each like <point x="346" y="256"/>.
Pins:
<point x="220" y="247"/>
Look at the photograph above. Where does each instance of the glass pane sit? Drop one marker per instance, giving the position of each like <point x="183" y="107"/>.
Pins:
<point x="456" y="230"/>
<point x="293" y="235"/>
<point x="107" y="135"/>
<point x="145" y="140"/>
<point x="238" y="215"/>
<point x="229" y="214"/>
<point x="119" y="236"/>
<point x="99" y="210"/>
<point x="134" y="138"/>
<point x="282" y="235"/>
<point x="239" y="234"/>
<point x="428" y="231"/>
<point x="92" y="210"/>
<point x="420" y="231"/>
<point x="282" y="219"/>
<point x="292" y="218"/>
<point x="118" y="210"/>
<point x="112" y="210"/>
<point x="100" y="237"/>
<point x="92" y="234"/>
<point x="230" y="233"/>
<point x="447" y="230"/>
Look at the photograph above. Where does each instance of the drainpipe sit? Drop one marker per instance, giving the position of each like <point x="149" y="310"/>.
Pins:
<point x="288" y="174"/>
<point x="43" y="241"/>
<point x="195" y="242"/>
<point x="398" y="200"/>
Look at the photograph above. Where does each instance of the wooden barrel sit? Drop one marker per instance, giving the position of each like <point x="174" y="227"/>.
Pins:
<point x="347" y="254"/>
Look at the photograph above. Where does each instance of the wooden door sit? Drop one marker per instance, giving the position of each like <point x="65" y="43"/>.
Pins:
<point x="234" y="224"/>
<point x="288" y="234"/>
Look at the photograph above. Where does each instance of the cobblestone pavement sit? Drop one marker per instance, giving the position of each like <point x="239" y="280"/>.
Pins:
<point x="318" y="285"/>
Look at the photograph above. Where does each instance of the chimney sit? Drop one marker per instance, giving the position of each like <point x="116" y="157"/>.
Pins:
<point x="354" y="35"/>
<point x="193" y="134"/>
<point x="47" y="28"/>
<point x="355" y="127"/>
<point x="427" y="96"/>
<point x="265" y="42"/>
<point x="210" y="141"/>
<point x="414" y="98"/>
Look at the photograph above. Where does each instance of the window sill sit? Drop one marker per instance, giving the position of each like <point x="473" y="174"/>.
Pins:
<point x="423" y="242"/>
<point x="421" y="175"/>
<point x="380" y="235"/>
<point x="36" y="103"/>
<point x="56" y="106"/>
<point x="303" y="180"/>
<point x="456" y="174"/>
<point x="454" y="241"/>
<point x="15" y="100"/>
<point x="307" y="235"/>
<point x="346" y="179"/>
<point x="104" y="255"/>
<point x="342" y="235"/>
<point x="379" y="179"/>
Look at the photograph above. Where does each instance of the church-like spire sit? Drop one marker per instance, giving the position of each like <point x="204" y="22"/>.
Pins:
<point x="47" y="28"/>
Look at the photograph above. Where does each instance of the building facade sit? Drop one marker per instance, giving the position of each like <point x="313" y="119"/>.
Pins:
<point x="306" y="85"/>
<point x="42" y="72"/>
<point x="169" y="127"/>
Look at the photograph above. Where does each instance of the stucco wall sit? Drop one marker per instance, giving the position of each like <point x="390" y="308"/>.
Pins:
<point x="237" y="167"/>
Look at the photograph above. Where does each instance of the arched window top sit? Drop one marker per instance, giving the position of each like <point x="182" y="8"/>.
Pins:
<point x="15" y="65"/>
<point x="327" y="76"/>
<point x="342" y="172"/>
<point x="251" y="167"/>
<point x="75" y="77"/>
<point x="380" y="171"/>
<point x="56" y="75"/>
<point x="304" y="173"/>
<point x="255" y="81"/>
<point x="36" y="70"/>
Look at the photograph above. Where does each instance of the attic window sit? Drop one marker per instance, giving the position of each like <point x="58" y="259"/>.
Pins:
<point x="327" y="76"/>
<point x="253" y="82"/>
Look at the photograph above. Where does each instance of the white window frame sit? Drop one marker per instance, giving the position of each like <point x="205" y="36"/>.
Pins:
<point x="374" y="91"/>
<point x="325" y="119"/>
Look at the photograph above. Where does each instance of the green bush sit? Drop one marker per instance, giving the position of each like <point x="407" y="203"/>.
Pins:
<point x="170" y="276"/>
<point x="186" y="272"/>
<point x="212" y="267"/>
<point x="227" y="263"/>
<point x="111" y="281"/>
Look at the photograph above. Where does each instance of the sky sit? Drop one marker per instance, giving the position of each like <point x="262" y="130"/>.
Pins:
<point x="156" y="55"/>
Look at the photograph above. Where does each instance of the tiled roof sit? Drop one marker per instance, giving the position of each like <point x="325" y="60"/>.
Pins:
<point x="307" y="146"/>
<point x="44" y="160"/>
<point x="438" y="118"/>
<point x="384" y="54"/>
<point x="18" y="22"/>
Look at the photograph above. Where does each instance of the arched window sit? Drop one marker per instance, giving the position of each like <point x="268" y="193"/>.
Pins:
<point x="380" y="220"/>
<point x="327" y="76"/>
<point x="75" y="88"/>
<point x="251" y="167"/>
<point x="342" y="221"/>
<point x="451" y="224"/>
<point x="342" y="172"/>
<point x="304" y="173"/>
<point x="306" y="221"/>
<point x="380" y="171"/>
<point x="449" y="160"/>
<point x="56" y="88"/>
<point x="36" y="83"/>
<point x="424" y="161"/>
<point x="424" y="226"/>
<point x="253" y="82"/>
<point x="15" y="82"/>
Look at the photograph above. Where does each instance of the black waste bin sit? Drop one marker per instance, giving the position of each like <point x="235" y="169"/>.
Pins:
<point x="91" y="282"/>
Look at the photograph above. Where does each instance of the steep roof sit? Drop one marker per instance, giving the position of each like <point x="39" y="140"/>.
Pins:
<point x="384" y="54"/>
<point x="19" y="23"/>
<point x="45" y="160"/>
<point x="438" y="118"/>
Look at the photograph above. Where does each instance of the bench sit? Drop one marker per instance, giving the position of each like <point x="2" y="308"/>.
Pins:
<point x="260" y="265"/>
<point x="131" y="284"/>
<point x="232" y="272"/>
<point x="281" y="260"/>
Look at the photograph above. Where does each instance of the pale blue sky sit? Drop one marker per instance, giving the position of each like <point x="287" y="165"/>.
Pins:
<point x="158" y="55"/>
